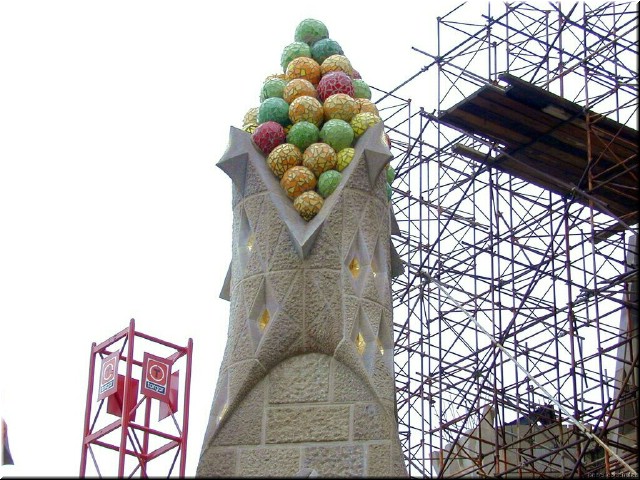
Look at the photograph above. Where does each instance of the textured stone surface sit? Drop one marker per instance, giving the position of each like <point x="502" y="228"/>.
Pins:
<point x="379" y="460"/>
<point x="269" y="461"/>
<point x="347" y="386"/>
<point x="300" y="379"/>
<point x="243" y="425"/>
<point x="335" y="461"/>
<point x="318" y="423"/>
<point x="217" y="462"/>
<point x="370" y="422"/>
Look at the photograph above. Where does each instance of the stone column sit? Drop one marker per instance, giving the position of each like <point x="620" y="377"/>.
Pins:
<point x="307" y="381"/>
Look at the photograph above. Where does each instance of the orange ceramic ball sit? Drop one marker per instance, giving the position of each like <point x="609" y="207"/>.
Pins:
<point x="319" y="157"/>
<point x="362" y="121"/>
<point x="298" y="87"/>
<point x="308" y="109"/>
<point x="308" y="204"/>
<point x="336" y="62"/>
<point x="340" y="106"/>
<point x="297" y="180"/>
<point x="304" y="67"/>
<point x="283" y="157"/>
<point x="366" y="105"/>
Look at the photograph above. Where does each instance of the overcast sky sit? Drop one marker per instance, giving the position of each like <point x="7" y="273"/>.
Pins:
<point x="112" y="117"/>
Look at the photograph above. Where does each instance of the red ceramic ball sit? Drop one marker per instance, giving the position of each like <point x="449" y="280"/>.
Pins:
<point x="334" y="82"/>
<point x="268" y="136"/>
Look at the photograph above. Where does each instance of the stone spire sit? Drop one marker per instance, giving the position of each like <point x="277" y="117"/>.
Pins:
<point x="306" y="386"/>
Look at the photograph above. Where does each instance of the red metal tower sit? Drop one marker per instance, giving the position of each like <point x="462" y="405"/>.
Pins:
<point x="147" y="377"/>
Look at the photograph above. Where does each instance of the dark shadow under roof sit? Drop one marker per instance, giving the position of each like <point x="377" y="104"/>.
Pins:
<point x="545" y="140"/>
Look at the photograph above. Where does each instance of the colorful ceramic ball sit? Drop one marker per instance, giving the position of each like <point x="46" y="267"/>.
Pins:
<point x="337" y="133"/>
<point x="340" y="106"/>
<point x="355" y="74"/>
<point x="334" y="82"/>
<point x="273" y="87"/>
<point x="297" y="180"/>
<point x="310" y="31"/>
<point x="294" y="50"/>
<point x="391" y="174"/>
<point x="304" y="67"/>
<point x="336" y="63"/>
<point x="283" y="157"/>
<point x="324" y="48"/>
<point x="361" y="89"/>
<point x="251" y="116"/>
<point x="298" y="87"/>
<point x="344" y="157"/>
<point x="250" y="127"/>
<point x="328" y="182"/>
<point x="281" y="76"/>
<point x="268" y="136"/>
<point x="367" y="106"/>
<point x="308" y="109"/>
<point x="319" y="157"/>
<point x="308" y="204"/>
<point x="302" y="134"/>
<point x="362" y="121"/>
<point x="274" y="109"/>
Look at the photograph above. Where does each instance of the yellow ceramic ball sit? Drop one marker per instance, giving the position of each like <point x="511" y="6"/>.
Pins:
<point x="308" y="109"/>
<point x="344" y="157"/>
<point x="298" y="87"/>
<point x="365" y="105"/>
<point x="336" y="62"/>
<point x="319" y="157"/>
<point x="250" y="127"/>
<point x="304" y="67"/>
<point x="362" y="121"/>
<point x="283" y="157"/>
<point x="340" y="106"/>
<point x="297" y="180"/>
<point x="251" y="116"/>
<point x="308" y="204"/>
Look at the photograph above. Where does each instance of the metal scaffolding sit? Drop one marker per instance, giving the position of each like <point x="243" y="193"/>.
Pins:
<point x="516" y="318"/>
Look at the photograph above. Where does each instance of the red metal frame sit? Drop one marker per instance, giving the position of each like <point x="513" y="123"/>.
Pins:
<point x="95" y="436"/>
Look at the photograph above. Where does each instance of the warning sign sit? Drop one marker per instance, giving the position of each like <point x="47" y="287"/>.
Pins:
<point x="156" y="373"/>
<point x="108" y="384"/>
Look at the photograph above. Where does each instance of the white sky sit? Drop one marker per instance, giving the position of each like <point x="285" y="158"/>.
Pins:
<point x="112" y="117"/>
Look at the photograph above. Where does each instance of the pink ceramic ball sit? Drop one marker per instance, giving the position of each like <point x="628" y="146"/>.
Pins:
<point x="268" y="135"/>
<point x="335" y="82"/>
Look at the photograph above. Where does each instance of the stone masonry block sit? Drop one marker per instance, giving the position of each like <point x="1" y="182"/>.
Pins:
<point x="269" y="462"/>
<point x="370" y="422"/>
<point x="243" y="425"/>
<point x="336" y="461"/>
<point x="304" y="378"/>
<point x="379" y="460"/>
<point x="317" y="423"/>
<point x="217" y="462"/>
<point x="347" y="386"/>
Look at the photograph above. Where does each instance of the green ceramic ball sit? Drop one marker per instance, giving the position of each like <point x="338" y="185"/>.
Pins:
<point x="273" y="87"/>
<point x="294" y="50"/>
<point x="323" y="49"/>
<point x="361" y="89"/>
<point x="310" y="31"/>
<point x="274" y="109"/>
<point x="389" y="191"/>
<point x="344" y="157"/>
<point x="328" y="182"/>
<point x="302" y="134"/>
<point x="391" y="174"/>
<point x="337" y="133"/>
